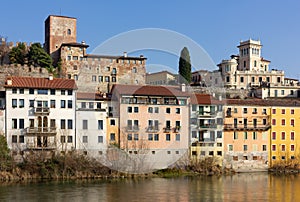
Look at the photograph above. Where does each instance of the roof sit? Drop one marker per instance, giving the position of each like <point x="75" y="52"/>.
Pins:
<point x="75" y="44"/>
<point x="60" y="16"/>
<point x="205" y="99"/>
<point x="264" y="102"/>
<point x="91" y="96"/>
<point x="161" y="72"/>
<point x="40" y="83"/>
<point x="148" y="90"/>
<point x="116" y="57"/>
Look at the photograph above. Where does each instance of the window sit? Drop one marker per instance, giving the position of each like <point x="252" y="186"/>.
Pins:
<point x="283" y="147"/>
<point x="21" y="123"/>
<point x="83" y="105"/>
<point x="75" y="57"/>
<point x="282" y="92"/>
<point x="70" y="124"/>
<point x="264" y="111"/>
<point x="136" y="137"/>
<point x="112" y="122"/>
<point x="113" y="79"/>
<point x="283" y="122"/>
<point x="242" y="79"/>
<point x="70" y="104"/>
<point x="168" y="110"/>
<point x="235" y="135"/>
<point x="254" y="111"/>
<point x="129" y="137"/>
<point x="230" y="147"/>
<point x="62" y="139"/>
<point x="177" y="137"/>
<point x="100" y="124"/>
<point x="150" y="110"/>
<point x="85" y="139"/>
<point x="63" y="104"/>
<point x="156" y="110"/>
<point x="292" y="136"/>
<point x="112" y="136"/>
<point x="70" y="92"/>
<point x="292" y="111"/>
<point x="70" y="139"/>
<point x="31" y="103"/>
<point x="52" y="103"/>
<point x="168" y="137"/>
<point x="245" y="135"/>
<point x="134" y="70"/>
<point x="107" y="79"/>
<point x="283" y="111"/>
<point x="14" y="91"/>
<point x="219" y="134"/>
<point x="62" y="92"/>
<point x="156" y="137"/>
<point x="245" y="147"/>
<point x="69" y="31"/>
<point x="273" y="135"/>
<point x="245" y="111"/>
<point x="75" y="77"/>
<point x="100" y="139"/>
<point x="14" y="103"/>
<point x="273" y="122"/>
<point x="52" y="123"/>
<point x="91" y="105"/>
<point x="292" y="147"/>
<point x="177" y="110"/>
<point x="14" y="123"/>
<point x="150" y="137"/>
<point x="273" y="111"/>
<point x="254" y="135"/>
<point x="129" y="109"/>
<point x="42" y="91"/>
<point x="283" y="135"/>
<point x="69" y="57"/>
<point x="62" y="124"/>
<point x="264" y="147"/>
<point x="136" y="110"/>
<point x="292" y="122"/>
<point x="31" y="91"/>
<point x="21" y="103"/>
<point x="14" y="139"/>
<point x="84" y="124"/>
<point x="21" y="139"/>
<point x="21" y="90"/>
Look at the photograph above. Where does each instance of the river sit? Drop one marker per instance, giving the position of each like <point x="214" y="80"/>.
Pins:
<point x="239" y="187"/>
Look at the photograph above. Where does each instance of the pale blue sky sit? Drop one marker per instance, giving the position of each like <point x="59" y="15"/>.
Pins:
<point x="217" y="26"/>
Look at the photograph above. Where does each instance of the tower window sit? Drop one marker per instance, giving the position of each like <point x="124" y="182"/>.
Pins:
<point x="69" y="31"/>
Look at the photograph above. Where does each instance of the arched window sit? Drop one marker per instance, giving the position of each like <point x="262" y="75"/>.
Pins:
<point x="254" y="63"/>
<point x="134" y="70"/>
<point x="69" y="31"/>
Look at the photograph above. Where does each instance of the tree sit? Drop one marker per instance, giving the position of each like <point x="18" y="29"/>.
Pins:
<point x="185" y="74"/>
<point x="5" y="158"/>
<point x="4" y="49"/>
<point x="18" y="54"/>
<point x="37" y="56"/>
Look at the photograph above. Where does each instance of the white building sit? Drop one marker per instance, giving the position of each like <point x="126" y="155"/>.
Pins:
<point x="40" y="113"/>
<point x="91" y="124"/>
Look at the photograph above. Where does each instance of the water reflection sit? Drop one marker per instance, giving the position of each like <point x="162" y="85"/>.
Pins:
<point x="240" y="187"/>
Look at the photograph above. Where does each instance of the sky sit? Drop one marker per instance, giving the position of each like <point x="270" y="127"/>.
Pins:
<point x="215" y="26"/>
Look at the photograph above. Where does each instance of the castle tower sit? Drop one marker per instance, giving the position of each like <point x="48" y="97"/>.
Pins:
<point x="58" y="30"/>
<point x="250" y="55"/>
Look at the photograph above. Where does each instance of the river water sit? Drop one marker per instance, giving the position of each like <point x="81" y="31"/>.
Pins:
<point x="239" y="187"/>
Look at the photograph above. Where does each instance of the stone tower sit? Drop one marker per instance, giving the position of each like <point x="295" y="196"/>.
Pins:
<point x="250" y="55"/>
<point x="58" y="30"/>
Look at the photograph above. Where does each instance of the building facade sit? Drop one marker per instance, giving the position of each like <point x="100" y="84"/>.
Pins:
<point x="33" y="113"/>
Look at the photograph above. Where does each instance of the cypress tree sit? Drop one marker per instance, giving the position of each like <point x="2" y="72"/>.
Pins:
<point x="185" y="74"/>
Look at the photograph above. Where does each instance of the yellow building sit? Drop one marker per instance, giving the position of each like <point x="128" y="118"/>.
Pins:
<point x="284" y="138"/>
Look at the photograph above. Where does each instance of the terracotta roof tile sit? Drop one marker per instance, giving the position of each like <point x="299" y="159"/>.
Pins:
<point x="264" y="102"/>
<point x="205" y="99"/>
<point x="40" y="83"/>
<point x="149" y="90"/>
<point x="90" y="96"/>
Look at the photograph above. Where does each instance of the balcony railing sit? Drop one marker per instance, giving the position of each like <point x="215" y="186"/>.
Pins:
<point x="41" y="131"/>
<point x="244" y="127"/>
<point x="167" y="129"/>
<point x="41" y="146"/>
<point x="207" y="114"/>
<point x="177" y="129"/>
<point x="133" y="128"/>
<point x="152" y="129"/>
<point x="41" y="110"/>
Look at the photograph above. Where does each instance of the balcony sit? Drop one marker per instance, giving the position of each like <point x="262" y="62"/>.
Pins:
<point x="41" y="146"/>
<point x="207" y="126"/>
<point x="176" y="129"/>
<point x="152" y="129"/>
<point x="167" y="129"/>
<point x="248" y="127"/>
<point x="207" y="114"/>
<point x="43" y="131"/>
<point x="133" y="128"/>
<point x="41" y="110"/>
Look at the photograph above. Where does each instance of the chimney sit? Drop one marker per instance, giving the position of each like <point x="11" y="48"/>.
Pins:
<point x="50" y="77"/>
<point x="125" y="54"/>
<point x="9" y="81"/>
<point x="183" y="87"/>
